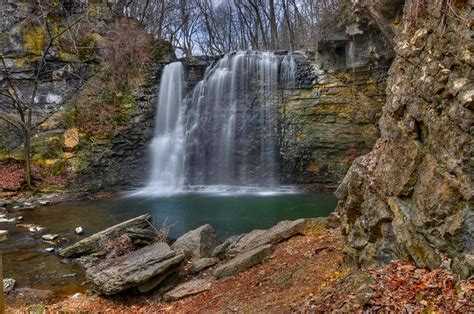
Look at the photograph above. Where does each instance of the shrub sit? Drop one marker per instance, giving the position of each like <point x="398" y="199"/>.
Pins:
<point x="125" y="54"/>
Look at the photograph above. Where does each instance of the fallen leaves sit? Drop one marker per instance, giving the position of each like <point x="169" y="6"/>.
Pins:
<point x="402" y="286"/>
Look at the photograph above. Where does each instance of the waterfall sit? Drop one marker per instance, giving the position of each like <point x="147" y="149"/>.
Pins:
<point x="288" y="71"/>
<point x="223" y="132"/>
<point x="167" y="146"/>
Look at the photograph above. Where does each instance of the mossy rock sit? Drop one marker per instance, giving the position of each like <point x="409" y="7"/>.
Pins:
<point x="33" y="36"/>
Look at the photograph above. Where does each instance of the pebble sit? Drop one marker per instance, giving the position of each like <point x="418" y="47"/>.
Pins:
<point x="69" y="275"/>
<point x="44" y="202"/>
<point x="79" y="230"/>
<point x="77" y="296"/>
<point x="49" y="237"/>
<point x="8" y="284"/>
<point x="49" y="249"/>
<point x="3" y="235"/>
<point x="36" y="229"/>
<point x="7" y="220"/>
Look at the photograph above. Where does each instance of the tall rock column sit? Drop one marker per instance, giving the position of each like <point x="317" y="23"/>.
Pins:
<point x="411" y="196"/>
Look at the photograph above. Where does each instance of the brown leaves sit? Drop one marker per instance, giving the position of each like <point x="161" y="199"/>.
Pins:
<point x="401" y="286"/>
<point x="12" y="176"/>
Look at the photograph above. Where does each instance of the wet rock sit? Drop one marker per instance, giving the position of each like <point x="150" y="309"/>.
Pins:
<point x="44" y="202"/>
<point x="50" y="237"/>
<point x="6" y="220"/>
<point x="203" y="263"/>
<point x="188" y="289"/>
<point x="88" y="261"/>
<point x="198" y="243"/>
<point x="133" y="269"/>
<point x="49" y="249"/>
<point x="36" y="229"/>
<point x="243" y="261"/>
<point x="3" y="235"/>
<point x="95" y="242"/>
<point x="8" y="284"/>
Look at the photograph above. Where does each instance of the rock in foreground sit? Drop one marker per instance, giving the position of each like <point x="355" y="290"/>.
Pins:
<point x="199" y="242"/>
<point x="281" y="231"/>
<point x="203" y="263"/>
<point x="95" y="242"/>
<point x="134" y="269"/>
<point x="243" y="261"/>
<point x="188" y="288"/>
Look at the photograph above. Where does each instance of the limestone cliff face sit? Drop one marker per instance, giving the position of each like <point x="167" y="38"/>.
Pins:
<point x="327" y="124"/>
<point x="411" y="196"/>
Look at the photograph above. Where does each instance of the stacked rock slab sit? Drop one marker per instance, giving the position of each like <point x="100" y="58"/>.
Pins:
<point x="144" y="268"/>
<point x="411" y="196"/>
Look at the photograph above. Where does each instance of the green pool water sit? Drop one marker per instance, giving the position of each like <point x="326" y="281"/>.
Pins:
<point x="26" y="260"/>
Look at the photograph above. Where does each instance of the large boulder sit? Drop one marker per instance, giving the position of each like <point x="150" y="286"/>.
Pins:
<point x="243" y="261"/>
<point x="140" y="267"/>
<point x="198" y="243"/>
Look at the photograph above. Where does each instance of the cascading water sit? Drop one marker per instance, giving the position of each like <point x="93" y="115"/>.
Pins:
<point x="167" y="146"/>
<point x="224" y="133"/>
<point x="232" y="138"/>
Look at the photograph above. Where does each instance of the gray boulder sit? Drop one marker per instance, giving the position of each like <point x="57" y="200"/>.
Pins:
<point x="134" y="269"/>
<point x="198" y="243"/>
<point x="221" y="249"/>
<point x="188" y="289"/>
<point x="281" y="231"/>
<point x="203" y="263"/>
<point x="243" y="261"/>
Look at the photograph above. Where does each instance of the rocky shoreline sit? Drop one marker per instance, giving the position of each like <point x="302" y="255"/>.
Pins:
<point x="259" y="271"/>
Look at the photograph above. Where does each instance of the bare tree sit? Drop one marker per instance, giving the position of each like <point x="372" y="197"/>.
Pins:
<point x="20" y="115"/>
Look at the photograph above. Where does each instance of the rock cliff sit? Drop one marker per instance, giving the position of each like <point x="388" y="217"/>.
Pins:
<point x="326" y="125"/>
<point x="84" y="127"/>
<point x="411" y="196"/>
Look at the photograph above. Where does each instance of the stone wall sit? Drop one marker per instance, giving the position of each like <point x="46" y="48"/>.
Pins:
<point x="411" y="196"/>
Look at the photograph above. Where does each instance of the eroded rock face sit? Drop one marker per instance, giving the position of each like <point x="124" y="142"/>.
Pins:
<point x="326" y="125"/>
<point x="411" y="196"/>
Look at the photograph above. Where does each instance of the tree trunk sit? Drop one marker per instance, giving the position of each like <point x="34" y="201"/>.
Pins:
<point x="27" y="156"/>
<point x="273" y="26"/>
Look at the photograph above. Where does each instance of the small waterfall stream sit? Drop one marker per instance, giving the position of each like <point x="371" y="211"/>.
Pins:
<point x="223" y="133"/>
